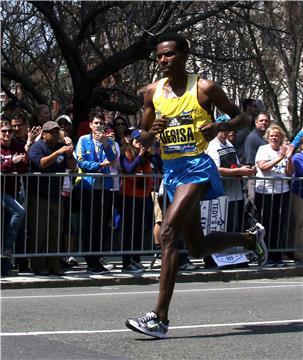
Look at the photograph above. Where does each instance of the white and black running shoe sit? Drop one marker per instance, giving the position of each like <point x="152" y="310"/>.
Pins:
<point x="260" y="248"/>
<point x="148" y="325"/>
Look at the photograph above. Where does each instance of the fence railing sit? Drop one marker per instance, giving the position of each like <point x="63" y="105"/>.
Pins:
<point x="62" y="216"/>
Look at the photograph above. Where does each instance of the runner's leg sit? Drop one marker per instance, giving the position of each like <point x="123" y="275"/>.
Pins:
<point x="184" y="215"/>
<point x="178" y="213"/>
<point x="200" y="245"/>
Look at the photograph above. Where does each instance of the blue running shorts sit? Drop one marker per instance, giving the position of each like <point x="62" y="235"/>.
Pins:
<point x="192" y="169"/>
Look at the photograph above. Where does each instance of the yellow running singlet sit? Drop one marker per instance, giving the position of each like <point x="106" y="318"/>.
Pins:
<point x="182" y="136"/>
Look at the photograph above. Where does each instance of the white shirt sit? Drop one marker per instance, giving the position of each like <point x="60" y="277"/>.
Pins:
<point x="266" y="152"/>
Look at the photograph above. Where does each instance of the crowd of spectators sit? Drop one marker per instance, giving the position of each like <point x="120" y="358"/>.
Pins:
<point x="69" y="214"/>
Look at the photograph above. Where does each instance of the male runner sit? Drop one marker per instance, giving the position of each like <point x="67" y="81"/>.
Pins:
<point x="178" y="108"/>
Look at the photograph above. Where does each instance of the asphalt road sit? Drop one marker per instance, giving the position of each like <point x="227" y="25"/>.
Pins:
<point x="235" y="320"/>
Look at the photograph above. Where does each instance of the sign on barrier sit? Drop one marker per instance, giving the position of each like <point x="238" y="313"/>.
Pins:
<point x="214" y="218"/>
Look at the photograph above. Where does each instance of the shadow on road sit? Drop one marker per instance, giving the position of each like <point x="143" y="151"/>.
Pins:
<point x="243" y="330"/>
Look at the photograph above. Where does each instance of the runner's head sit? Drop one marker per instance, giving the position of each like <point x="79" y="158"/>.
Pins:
<point x="172" y="52"/>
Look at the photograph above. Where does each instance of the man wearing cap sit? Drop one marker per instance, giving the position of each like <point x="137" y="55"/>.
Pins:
<point x="221" y="150"/>
<point x="66" y="125"/>
<point x="45" y="209"/>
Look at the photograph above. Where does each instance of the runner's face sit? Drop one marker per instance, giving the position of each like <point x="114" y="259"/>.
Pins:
<point x="170" y="59"/>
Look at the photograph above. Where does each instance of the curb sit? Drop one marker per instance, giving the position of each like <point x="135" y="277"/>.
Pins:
<point x="116" y="278"/>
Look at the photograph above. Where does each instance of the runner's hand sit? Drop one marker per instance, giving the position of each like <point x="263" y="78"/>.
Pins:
<point x="158" y="125"/>
<point x="209" y="131"/>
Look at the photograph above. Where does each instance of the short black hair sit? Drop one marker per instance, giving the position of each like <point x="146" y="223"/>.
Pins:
<point x="96" y="114"/>
<point x="181" y="43"/>
<point x="247" y="102"/>
<point x="19" y="115"/>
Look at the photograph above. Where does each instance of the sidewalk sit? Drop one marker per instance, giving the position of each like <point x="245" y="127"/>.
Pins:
<point x="79" y="277"/>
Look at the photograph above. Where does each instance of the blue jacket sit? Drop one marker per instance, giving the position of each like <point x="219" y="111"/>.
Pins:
<point x="89" y="161"/>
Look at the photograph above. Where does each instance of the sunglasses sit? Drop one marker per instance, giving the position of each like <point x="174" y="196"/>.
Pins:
<point x="9" y="131"/>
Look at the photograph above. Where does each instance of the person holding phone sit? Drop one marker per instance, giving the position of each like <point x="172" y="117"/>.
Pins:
<point x="95" y="153"/>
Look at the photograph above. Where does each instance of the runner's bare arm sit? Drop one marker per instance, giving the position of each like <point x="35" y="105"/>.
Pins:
<point x="150" y="124"/>
<point x="211" y="93"/>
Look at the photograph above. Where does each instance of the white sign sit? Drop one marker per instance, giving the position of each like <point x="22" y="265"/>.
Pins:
<point x="214" y="218"/>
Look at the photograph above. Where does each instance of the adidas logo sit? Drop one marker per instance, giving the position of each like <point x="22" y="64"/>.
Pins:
<point x="174" y="122"/>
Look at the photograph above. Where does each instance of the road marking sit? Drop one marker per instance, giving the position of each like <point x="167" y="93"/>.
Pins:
<point x="21" y="297"/>
<point x="35" y="333"/>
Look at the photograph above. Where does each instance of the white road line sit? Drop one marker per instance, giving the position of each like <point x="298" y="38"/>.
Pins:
<point x="21" y="297"/>
<point x="35" y="333"/>
<point x="271" y="282"/>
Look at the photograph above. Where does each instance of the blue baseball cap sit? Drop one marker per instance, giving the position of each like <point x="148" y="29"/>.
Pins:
<point x="135" y="134"/>
<point x="223" y="118"/>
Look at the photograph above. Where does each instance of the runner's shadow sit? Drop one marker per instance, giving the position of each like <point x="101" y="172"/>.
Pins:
<point x="242" y="330"/>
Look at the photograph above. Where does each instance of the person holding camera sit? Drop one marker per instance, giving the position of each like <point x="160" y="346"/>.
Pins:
<point x="95" y="153"/>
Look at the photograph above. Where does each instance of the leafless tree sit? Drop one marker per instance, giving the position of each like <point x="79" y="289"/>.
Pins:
<point x="100" y="52"/>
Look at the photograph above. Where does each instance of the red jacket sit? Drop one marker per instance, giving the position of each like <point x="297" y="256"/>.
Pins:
<point x="7" y="166"/>
<point x="134" y="186"/>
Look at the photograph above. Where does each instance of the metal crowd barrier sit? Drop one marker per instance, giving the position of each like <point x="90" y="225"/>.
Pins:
<point x="63" y="219"/>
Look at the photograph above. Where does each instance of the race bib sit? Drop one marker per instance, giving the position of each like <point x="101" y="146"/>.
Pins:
<point x="179" y="136"/>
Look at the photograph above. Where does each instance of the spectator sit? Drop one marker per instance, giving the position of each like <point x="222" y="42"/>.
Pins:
<point x="296" y="217"/>
<point x="95" y="154"/>
<point x="21" y="131"/>
<point x="115" y="169"/>
<point x="221" y="150"/>
<point x="69" y="112"/>
<point x="256" y="138"/>
<point x="84" y="126"/>
<point x="13" y="159"/>
<point x="66" y="125"/>
<point x="120" y="126"/>
<point x="41" y="115"/>
<point x="135" y="159"/>
<point x="10" y="109"/>
<point x="19" y="126"/>
<point x="272" y="196"/>
<point x="45" y="208"/>
<point x="69" y="232"/>
<point x="26" y="137"/>
<point x="250" y="108"/>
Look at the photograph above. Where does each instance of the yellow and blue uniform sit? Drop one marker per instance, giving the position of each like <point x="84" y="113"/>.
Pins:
<point x="182" y="143"/>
